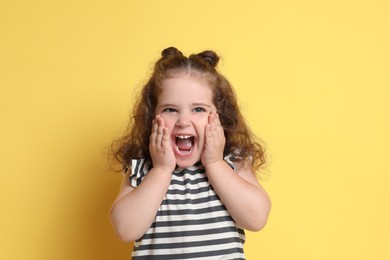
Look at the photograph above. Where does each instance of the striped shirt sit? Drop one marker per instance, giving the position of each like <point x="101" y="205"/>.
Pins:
<point x="191" y="222"/>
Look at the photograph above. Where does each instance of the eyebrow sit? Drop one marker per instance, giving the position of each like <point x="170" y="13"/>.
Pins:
<point x="166" y="105"/>
<point x="193" y="104"/>
<point x="201" y="104"/>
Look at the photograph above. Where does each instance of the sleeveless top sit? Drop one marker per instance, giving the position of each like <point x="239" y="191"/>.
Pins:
<point x="191" y="222"/>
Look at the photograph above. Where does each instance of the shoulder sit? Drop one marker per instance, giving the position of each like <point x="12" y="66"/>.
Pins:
<point x="137" y="171"/>
<point x="232" y="161"/>
<point x="244" y="168"/>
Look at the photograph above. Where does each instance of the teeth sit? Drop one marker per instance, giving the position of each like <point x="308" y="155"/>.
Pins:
<point x="183" y="136"/>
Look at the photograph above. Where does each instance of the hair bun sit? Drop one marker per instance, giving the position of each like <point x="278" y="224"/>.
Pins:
<point x="210" y="57"/>
<point x="170" y="51"/>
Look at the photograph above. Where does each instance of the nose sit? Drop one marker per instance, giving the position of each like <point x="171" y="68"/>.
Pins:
<point x="183" y="120"/>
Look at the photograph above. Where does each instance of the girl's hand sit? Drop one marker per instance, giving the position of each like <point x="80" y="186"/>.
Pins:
<point x="214" y="141"/>
<point x="160" y="146"/>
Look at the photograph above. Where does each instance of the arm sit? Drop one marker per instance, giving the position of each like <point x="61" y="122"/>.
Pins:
<point x="243" y="196"/>
<point x="134" y="210"/>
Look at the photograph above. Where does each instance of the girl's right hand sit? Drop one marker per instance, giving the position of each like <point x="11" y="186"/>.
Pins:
<point x="160" y="146"/>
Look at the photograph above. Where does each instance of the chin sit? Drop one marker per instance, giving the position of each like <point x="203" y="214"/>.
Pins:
<point x="188" y="161"/>
<point x="185" y="163"/>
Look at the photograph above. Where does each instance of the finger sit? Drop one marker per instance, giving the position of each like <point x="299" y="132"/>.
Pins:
<point x="211" y="117"/>
<point x="160" y="121"/>
<point x="217" y="120"/>
<point x="153" y="134"/>
<point x="214" y="124"/>
<point x="211" y="121"/>
<point x="208" y="133"/>
<point x="165" y="138"/>
<point x="160" y="128"/>
<point x="219" y="125"/>
<point x="159" y="137"/>
<point x="160" y="131"/>
<point x="154" y="126"/>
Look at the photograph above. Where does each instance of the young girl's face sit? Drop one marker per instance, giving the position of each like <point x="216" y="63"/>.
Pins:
<point x="185" y="104"/>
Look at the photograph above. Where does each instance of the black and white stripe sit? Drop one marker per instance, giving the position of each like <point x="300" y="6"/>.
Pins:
<point x="191" y="223"/>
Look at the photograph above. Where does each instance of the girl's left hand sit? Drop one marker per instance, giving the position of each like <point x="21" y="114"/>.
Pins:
<point x="214" y="141"/>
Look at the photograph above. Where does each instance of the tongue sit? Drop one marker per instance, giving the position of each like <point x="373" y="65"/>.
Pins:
<point x="184" y="144"/>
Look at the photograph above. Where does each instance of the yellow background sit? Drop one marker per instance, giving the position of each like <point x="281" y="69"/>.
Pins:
<point x="312" y="77"/>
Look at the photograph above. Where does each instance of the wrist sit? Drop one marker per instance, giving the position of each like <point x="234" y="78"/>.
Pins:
<point x="214" y="164"/>
<point x="161" y="170"/>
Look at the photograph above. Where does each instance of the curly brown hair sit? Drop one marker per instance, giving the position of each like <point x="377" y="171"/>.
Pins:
<point x="240" y="141"/>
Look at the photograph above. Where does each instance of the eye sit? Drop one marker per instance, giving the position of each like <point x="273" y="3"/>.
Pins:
<point x="199" y="109"/>
<point x="170" y="110"/>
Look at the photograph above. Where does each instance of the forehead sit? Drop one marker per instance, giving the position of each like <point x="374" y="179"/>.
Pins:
<point x="185" y="87"/>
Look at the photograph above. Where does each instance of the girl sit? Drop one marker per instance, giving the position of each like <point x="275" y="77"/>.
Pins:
<point x="190" y="189"/>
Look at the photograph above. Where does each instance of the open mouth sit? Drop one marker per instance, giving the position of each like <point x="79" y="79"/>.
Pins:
<point x="184" y="144"/>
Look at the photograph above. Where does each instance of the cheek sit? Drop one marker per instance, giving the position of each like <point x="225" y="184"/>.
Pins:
<point x="201" y="127"/>
<point x="169" y="122"/>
